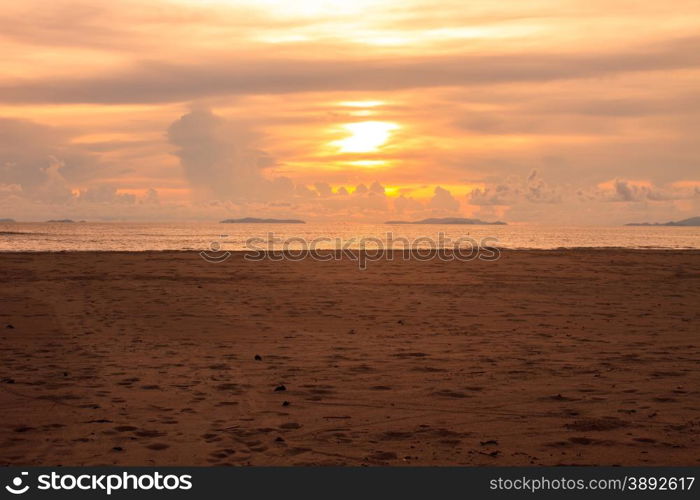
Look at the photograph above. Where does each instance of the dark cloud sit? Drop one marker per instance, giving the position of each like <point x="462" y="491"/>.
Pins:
<point x="620" y="107"/>
<point x="156" y="81"/>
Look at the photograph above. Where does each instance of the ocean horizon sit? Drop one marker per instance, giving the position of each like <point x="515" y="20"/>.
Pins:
<point x="149" y="236"/>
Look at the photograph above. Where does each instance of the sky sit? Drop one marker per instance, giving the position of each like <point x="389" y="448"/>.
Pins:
<point x="568" y="112"/>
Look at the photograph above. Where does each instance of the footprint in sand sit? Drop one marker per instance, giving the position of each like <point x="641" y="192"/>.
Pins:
<point x="149" y="433"/>
<point x="158" y="446"/>
<point x="383" y="455"/>
<point x="125" y="428"/>
<point x="290" y="426"/>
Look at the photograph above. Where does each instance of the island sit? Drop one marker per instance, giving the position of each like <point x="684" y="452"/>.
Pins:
<point x="691" y="222"/>
<point x="7" y="220"/>
<point x="253" y="220"/>
<point x="62" y="221"/>
<point x="448" y="220"/>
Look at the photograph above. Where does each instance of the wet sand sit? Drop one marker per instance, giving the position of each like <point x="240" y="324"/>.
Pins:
<point x="543" y="357"/>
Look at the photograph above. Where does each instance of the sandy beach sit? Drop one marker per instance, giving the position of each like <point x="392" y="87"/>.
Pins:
<point x="587" y="357"/>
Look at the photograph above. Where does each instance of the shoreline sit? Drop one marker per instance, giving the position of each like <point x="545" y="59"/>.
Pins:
<point x="239" y="251"/>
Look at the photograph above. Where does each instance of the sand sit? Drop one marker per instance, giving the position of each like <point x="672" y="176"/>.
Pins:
<point x="586" y="357"/>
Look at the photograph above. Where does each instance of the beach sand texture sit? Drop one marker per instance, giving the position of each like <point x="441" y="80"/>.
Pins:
<point x="541" y="358"/>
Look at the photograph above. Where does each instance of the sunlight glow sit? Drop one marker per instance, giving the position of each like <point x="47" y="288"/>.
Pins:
<point x="365" y="137"/>
<point x="361" y="104"/>
<point x="367" y="163"/>
<point x="305" y="9"/>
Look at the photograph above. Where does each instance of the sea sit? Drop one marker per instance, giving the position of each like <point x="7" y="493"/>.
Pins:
<point x="205" y="236"/>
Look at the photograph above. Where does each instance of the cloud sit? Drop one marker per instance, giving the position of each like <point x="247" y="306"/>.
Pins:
<point x="28" y="154"/>
<point x="537" y="190"/>
<point x="44" y="173"/>
<point x="44" y="161"/>
<point x="41" y="172"/>
<point x="370" y="199"/>
<point x="109" y="195"/>
<point x="220" y="160"/>
<point x="323" y="188"/>
<point x="32" y="158"/>
<point x="151" y="197"/>
<point x="482" y="94"/>
<point x="404" y="204"/>
<point x="533" y="189"/>
<point x="443" y="201"/>
<point x="362" y="201"/>
<point x="159" y="81"/>
<point x="221" y="163"/>
<point x="621" y="190"/>
<point x="528" y="199"/>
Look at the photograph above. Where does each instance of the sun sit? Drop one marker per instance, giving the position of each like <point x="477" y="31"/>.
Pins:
<point x="365" y="137"/>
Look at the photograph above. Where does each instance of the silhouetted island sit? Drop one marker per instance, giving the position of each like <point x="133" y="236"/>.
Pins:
<point x="7" y="220"/>
<point x="448" y="220"/>
<point x="692" y="221"/>
<point x="64" y="221"/>
<point x="253" y="220"/>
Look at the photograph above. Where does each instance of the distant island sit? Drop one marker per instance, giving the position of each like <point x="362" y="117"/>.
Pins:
<point x="64" y="221"/>
<point x="7" y="220"/>
<point x="692" y="221"/>
<point x="448" y="220"/>
<point x="253" y="220"/>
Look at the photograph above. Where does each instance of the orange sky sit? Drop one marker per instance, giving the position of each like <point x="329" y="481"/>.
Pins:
<point x="541" y="111"/>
